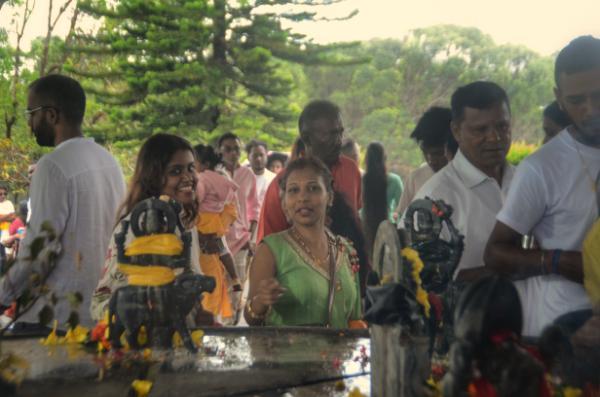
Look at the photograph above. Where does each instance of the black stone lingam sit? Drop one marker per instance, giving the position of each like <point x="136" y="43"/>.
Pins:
<point x="160" y="306"/>
<point x="487" y="352"/>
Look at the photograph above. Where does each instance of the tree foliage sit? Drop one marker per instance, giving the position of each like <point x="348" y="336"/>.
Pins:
<point x="199" y="68"/>
<point x="383" y="100"/>
<point x="194" y="68"/>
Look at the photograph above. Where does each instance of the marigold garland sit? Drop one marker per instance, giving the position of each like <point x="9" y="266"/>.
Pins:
<point x="417" y="266"/>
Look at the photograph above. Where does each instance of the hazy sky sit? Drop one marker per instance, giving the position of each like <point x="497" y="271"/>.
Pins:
<point x="542" y="25"/>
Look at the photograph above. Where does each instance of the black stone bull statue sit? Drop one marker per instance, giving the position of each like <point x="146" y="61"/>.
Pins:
<point x="160" y="306"/>
<point x="162" y="310"/>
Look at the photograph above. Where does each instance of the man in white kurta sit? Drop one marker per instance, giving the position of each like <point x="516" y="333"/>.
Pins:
<point x="76" y="189"/>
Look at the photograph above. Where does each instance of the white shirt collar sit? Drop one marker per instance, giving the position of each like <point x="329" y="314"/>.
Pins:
<point x="473" y="176"/>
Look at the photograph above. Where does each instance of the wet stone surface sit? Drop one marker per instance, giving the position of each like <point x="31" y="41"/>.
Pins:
<point x="231" y="362"/>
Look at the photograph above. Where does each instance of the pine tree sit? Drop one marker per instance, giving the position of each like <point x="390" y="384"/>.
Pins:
<point x="194" y="68"/>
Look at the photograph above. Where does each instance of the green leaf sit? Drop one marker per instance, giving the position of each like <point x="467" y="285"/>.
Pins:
<point x="73" y="319"/>
<point x="49" y="229"/>
<point x="46" y="315"/>
<point x="75" y="299"/>
<point x="36" y="246"/>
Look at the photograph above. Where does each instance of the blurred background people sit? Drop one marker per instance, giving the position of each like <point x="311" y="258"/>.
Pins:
<point x="381" y="192"/>
<point x="351" y="149"/>
<point x="554" y="121"/>
<point x="434" y="137"/>
<point x="217" y="210"/>
<point x="276" y="162"/>
<point x="7" y="215"/>
<point x="257" y="152"/>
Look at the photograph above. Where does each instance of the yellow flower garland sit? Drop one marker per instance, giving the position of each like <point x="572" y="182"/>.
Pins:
<point x="417" y="266"/>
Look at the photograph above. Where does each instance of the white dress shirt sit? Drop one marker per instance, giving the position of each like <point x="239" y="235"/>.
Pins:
<point x="475" y="199"/>
<point x="77" y="189"/>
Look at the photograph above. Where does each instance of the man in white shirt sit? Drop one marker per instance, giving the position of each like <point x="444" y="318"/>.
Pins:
<point x="257" y="156"/>
<point x="433" y="134"/>
<point x="476" y="181"/>
<point x="76" y="189"/>
<point x="555" y="197"/>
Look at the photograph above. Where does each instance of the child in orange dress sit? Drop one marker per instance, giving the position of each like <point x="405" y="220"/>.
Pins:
<point x="216" y="198"/>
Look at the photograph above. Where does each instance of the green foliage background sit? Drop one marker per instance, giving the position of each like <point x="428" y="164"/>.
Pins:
<point x="199" y="68"/>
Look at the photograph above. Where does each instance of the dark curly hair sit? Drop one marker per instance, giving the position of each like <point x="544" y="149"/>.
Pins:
<point x="150" y="171"/>
<point x="206" y="154"/>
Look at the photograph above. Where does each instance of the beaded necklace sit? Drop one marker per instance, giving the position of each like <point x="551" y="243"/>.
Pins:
<point x="319" y="262"/>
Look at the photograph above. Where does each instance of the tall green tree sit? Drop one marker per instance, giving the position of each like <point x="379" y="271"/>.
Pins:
<point x="194" y="67"/>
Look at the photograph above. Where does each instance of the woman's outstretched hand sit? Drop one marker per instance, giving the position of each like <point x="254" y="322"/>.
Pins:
<point x="268" y="292"/>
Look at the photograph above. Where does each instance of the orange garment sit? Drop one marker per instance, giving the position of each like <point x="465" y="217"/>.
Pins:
<point x="217" y="223"/>
<point x="346" y="180"/>
<point x="217" y="302"/>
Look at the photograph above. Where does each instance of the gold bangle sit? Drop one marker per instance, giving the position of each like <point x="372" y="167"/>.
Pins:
<point x="254" y="315"/>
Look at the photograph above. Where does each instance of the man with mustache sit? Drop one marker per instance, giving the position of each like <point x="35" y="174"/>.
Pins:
<point x="321" y="130"/>
<point x="476" y="181"/>
<point x="555" y="197"/>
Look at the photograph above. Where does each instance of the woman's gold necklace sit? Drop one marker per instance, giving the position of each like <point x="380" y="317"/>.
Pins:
<point x="319" y="262"/>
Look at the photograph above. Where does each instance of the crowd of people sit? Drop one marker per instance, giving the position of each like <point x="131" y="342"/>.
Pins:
<point x="289" y="240"/>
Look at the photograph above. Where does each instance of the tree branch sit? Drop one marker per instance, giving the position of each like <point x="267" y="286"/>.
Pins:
<point x="10" y="119"/>
<point x="58" y="66"/>
<point x="50" y="29"/>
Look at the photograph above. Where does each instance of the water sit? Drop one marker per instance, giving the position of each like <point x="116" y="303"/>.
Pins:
<point x="251" y="361"/>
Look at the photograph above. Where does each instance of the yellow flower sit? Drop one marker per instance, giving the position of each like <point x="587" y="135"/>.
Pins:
<point x="355" y="392"/>
<point x="572" y="392"/>
<point x="435" y="387"/>
<point x="142" y="337"/>
<point x="417" y="266"/>
<point x="147" y="354"/>
<point x="141" y="387"/>
<point x="197" y="336"/>
<point x="13" y="369"/>
<point x="176" y="341"/>
<point x="52" y="338"/>
<point x="78" y="334"/>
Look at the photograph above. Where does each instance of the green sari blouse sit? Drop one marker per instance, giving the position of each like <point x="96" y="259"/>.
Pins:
<point x="305" y="301"/>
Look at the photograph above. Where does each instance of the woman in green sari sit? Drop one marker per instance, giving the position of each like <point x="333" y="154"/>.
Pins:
<point x="304" y="275"/>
